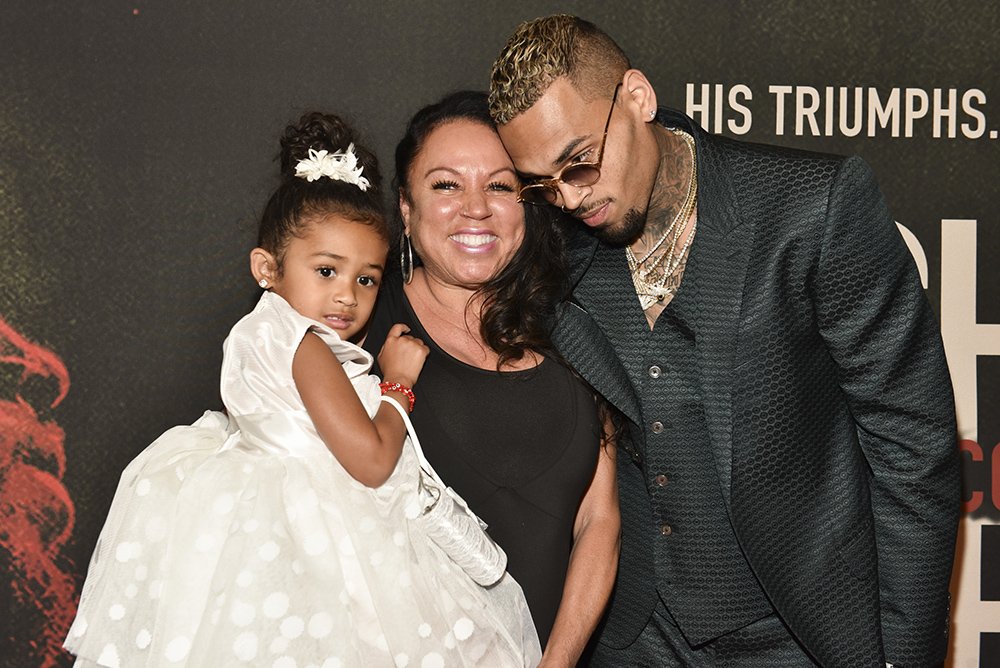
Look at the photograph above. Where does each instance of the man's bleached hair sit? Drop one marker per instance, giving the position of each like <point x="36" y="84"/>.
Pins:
<point x="541" y="51"/>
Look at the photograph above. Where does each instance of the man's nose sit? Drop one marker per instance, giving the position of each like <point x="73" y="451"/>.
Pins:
<point x="572" y="196"/>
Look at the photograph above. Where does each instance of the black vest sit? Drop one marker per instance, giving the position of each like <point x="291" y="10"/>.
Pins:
<point x="702" y="575"/>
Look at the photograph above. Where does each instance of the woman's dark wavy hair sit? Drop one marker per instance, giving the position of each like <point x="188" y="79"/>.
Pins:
<point x="297" y="202"/>
<point x="519" y="301"/>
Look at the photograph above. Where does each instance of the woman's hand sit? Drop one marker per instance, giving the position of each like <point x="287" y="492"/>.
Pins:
<point x="402" y="356"/>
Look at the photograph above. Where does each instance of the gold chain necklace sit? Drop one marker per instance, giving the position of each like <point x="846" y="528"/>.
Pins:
<point x="691" y="191"/>
<point x="666" y="266"/>
<point x="666" y="285"/>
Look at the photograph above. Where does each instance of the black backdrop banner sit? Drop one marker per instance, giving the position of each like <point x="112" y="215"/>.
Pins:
<point x="136" y="147"/>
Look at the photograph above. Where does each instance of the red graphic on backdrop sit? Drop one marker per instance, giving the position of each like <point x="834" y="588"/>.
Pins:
<point x="981" y="477"/>
<point x="37" y="512"/>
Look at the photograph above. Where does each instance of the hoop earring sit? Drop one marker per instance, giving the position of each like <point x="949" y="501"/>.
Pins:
<point x="406" y="258"/>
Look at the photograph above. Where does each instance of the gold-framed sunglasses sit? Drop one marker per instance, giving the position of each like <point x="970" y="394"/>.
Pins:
<point x="577" y="174"/>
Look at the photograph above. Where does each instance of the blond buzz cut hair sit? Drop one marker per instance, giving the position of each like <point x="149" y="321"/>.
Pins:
<point x="541" y="51"/>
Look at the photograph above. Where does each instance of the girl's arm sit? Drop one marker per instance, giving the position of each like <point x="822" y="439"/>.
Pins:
<point x="368" y="449"/>
<point x="593" y="564"/>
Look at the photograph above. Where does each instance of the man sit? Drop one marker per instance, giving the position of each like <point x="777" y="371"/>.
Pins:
<point x="794" y="487"/>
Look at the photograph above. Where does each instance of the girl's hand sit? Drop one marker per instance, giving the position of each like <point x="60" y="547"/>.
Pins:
<point x="402" y="356"/>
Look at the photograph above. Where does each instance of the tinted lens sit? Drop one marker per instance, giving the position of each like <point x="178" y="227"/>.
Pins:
<point x="581" y="175"/>
<point x="538" y="195"/>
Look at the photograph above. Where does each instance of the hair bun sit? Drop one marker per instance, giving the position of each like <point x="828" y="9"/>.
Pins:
<point x="319" y="131"/>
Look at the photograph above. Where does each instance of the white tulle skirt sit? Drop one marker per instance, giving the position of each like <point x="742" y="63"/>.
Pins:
<point x="218" y="553"/>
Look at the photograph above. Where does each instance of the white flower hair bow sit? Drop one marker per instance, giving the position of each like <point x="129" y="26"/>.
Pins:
<point x="339" y="166"/>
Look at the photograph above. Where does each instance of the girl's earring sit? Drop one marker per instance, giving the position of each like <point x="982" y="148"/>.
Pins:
<point x="406" y="258"/>
<point x="262" y="283"/>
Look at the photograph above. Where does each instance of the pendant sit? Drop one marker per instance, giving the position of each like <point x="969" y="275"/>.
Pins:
<point x="655" y="295"/>
<point x="645" y="301"/>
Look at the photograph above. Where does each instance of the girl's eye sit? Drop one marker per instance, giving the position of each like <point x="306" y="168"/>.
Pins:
<point x="367" y="281"/>
<point x="444" y="185"/>
<point x="326" y="272"/>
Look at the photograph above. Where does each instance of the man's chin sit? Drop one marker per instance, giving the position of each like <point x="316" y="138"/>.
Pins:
<point x="623" y="233"/>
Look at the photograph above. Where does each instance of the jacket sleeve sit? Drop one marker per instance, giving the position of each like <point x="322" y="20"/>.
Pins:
<point x="886" y="343"/>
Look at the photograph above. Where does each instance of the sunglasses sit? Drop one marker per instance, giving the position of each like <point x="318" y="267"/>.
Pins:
<point x="578" y="174"/>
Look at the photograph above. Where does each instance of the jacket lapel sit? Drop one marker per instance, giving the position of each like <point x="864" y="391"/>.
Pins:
<point x="580" y="340"/>
<point x="717" y="273"/>
<point x="582" y="324"/>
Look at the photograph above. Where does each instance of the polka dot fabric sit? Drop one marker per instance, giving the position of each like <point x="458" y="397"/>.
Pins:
<point x="246" y="544"/>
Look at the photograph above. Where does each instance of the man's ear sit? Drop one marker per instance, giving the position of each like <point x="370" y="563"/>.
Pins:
<point x="263" y="267"/>
<point x="640" y="98"/>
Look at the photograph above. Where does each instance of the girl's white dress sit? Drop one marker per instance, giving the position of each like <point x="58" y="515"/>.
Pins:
<point x="245" y="543"/>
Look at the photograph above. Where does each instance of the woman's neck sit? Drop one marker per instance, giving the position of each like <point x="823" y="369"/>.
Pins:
<point x="451" y="316"/>
<point x="456" y="303"/>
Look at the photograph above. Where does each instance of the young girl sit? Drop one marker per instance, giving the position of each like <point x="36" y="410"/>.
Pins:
<point x="280" y="540"/>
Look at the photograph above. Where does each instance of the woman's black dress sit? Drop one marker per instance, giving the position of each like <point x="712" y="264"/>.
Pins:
<point x="520" y="447"/>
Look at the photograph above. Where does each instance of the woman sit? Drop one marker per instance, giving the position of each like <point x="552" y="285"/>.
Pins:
<point x="515" y="432"/>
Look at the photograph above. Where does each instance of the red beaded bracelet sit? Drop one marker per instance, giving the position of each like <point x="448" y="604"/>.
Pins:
<point x="402" y="389"/>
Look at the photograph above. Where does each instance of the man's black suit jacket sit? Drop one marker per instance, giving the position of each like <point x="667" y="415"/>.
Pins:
<point x="827" y="397"/>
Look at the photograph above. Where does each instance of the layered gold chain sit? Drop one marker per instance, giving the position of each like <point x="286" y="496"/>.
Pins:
<point x="656" y="278"/>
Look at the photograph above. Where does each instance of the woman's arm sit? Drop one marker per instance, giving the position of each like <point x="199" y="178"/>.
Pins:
<point x="367" y="448"/>
<point x="592" y="564"/>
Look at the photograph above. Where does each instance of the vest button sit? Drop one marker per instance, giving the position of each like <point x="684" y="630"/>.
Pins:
<point x="656" y="427"/>
<point x="661" y="480"/>
<point x="666" y="530"/>
<point x="654" y="371"/>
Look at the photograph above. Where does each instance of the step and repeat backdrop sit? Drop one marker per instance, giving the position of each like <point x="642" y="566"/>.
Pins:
<point x="137" y="146"/>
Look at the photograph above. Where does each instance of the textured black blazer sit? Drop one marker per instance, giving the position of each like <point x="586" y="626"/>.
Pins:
<point x="827" y="397"/>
